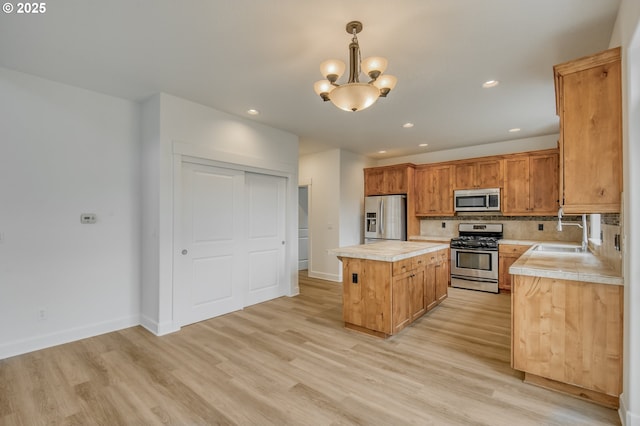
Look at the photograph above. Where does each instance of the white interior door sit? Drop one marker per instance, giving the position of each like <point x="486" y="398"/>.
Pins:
<point x="210" y="266"/>
<point x="265" y="237"/>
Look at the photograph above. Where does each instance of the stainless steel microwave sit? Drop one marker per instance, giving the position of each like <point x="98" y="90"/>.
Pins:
<point x="477" y="200"/>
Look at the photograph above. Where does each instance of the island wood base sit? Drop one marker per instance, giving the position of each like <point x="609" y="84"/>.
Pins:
<point x="366" y="330"/>
<point x="381" y="298"/>
<point x="582" y="393"/>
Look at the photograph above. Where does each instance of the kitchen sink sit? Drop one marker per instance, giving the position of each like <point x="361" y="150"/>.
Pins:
<point x="557" y="248"/>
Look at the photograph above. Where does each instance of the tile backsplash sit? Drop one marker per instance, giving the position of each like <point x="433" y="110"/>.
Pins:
<point x="523" y="228"/>
<point x="607" y="250"/>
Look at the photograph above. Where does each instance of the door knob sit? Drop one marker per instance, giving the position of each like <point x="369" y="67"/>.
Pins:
<point x="184" y="252"/>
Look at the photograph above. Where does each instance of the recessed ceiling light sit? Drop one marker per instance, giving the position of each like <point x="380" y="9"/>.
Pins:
<point x="407" y="125"/>
<point x="514" y="130"/>
<point x="253" y="111"/>
<point x="382" y="152"/>
<point x="424" y="144"/>
<point x="490" y="83"/>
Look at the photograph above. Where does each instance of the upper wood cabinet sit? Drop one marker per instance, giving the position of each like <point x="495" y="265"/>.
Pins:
<point x="589" y="103"/>
<point x="531" y="184"/>
<point x="387" y="180"/>
<point x="434" y="190"/>
<point x="478" y="174"/>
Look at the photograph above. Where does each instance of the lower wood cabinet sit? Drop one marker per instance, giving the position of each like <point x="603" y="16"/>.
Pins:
<point x="382" y="298"/>
<point x="567" y="335"/>
<point x="437" y="278"/>
<point x="507" y="255"/>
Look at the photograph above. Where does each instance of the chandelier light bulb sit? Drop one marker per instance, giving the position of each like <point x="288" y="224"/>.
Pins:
<point x="373" y="66"/>
<point x="386" y="83"/>
<point x="323" y="88"/>
<point x="332" y="69"/>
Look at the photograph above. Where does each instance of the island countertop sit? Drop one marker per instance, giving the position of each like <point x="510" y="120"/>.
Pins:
<point x="585" y="267"/>
<point x="388" y="251"/>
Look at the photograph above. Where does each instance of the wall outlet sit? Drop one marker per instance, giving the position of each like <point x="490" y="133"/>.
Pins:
<point x="354" y="278"/>
<point x="42" y="315"/>
<point x="444" y="225"/>
<point x="541" y="227"/>
<point x="88" y="218"/>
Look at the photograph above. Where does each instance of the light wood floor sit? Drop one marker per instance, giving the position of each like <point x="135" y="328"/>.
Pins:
<point x="290" y="361"/>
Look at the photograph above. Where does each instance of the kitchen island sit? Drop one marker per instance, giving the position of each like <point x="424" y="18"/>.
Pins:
<point x="567" y="316"/>
<point x="389" y="284"/>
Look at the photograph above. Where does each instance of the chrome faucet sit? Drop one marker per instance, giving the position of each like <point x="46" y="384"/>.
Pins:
<point x="585" y="238"/>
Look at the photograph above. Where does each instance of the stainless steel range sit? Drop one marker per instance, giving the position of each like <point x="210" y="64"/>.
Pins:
<point x="474" y="257"/>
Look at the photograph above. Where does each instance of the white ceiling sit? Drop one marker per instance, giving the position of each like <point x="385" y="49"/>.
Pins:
<point x="264" y="54"/>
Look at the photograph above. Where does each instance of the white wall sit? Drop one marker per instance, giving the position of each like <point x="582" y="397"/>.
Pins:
<point x="190" y="129"/>
<point x="627" y="34"/>
<point x="352" y="198"/>
<point x="66" y="151"/>
<point x="336" y="206"/>
<point x="323" y="170"/>
<point x="496" y="148"/>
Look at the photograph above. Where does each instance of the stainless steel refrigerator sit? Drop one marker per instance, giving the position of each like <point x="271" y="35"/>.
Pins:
<point x="385" y="218"/>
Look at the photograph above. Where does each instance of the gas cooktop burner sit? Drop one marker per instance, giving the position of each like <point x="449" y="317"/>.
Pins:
<point x="478" y="236"/>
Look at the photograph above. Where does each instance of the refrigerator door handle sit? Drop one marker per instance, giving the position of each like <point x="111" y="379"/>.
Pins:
<point x="381" y="216"/>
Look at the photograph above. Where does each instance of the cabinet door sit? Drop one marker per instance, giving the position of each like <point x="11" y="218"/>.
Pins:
<point x="434" y="191"/>
<point x="507" y="255"/>
<point x="430" y="286"/>
<point x="395" y="180"/>
<point x="543" y="184"/>
<point x="373" y="181"/>
<point x="515" y="198"/>
<point x="591" y="141"/>
<point x="417" y="305"/>
<point x="465" y="176"/>
<point x="441" y="281"/>
<point x="423" y="191"/>
<point x="489" y="174"/>
<point x="443" y="190"/>
<point x="400" y="302"/>
<point x="504" y="263"/>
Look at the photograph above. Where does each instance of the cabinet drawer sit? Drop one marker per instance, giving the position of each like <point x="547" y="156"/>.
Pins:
<point x="419" y="261"/>
<point x="512" y="249"/>
<point x="402" y="266"/>
<point x="443" y="255"/>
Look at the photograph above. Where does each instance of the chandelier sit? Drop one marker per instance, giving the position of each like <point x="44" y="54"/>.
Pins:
<point x="353" y="95"/>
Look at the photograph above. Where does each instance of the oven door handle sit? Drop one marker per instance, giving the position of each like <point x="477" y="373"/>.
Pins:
<point x="484" y="280"/>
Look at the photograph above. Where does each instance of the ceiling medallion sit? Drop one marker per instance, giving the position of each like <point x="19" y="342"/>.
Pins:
<point x="353" y="95"/>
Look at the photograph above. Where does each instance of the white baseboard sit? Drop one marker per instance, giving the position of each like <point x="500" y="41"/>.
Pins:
<point x="23" y="346"/>
<point x="159" y="329"/>
<point x="627" y="417"/>
<point x="325" y="276"/>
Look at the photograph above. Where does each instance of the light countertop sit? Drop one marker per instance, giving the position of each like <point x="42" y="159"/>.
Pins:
<point x="584" y="267"/>
<point x="388" y="251"/>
